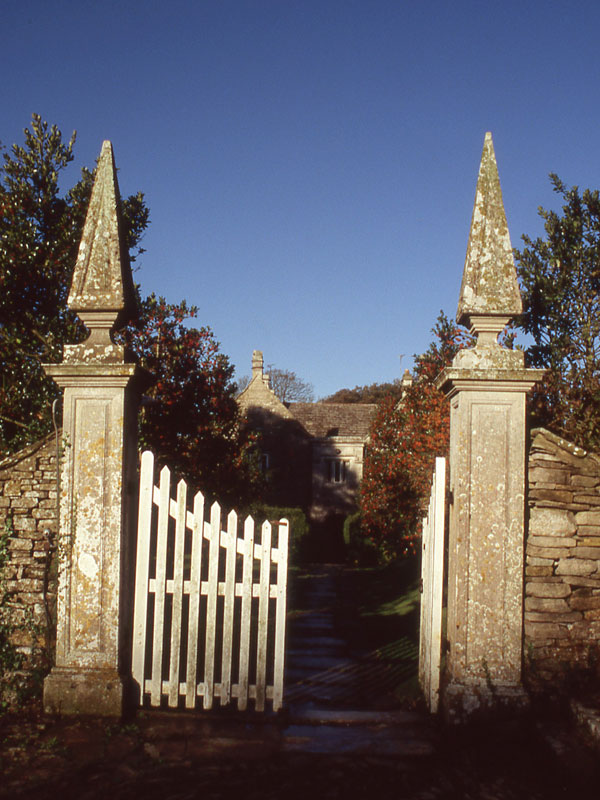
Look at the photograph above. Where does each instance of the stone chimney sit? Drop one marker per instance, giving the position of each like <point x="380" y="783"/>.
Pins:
<point x="257" y="363"/>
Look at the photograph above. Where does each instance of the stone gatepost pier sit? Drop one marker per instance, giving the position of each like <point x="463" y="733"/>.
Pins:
<point x="487" y="386"/>
<point x="98" y="470"/>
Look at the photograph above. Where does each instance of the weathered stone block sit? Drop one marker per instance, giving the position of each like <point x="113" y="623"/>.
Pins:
<point x="539" y="562"/>
<point x="586" y="630"/>
<point x="541" y="572"/>
<point x="23" y="523"/>
<point x="553" y="553"/>
<point x="585" y="480"/>
<point x="588" y="541"/>
<point x="19" y="557"/>
<point x="591" y="531"/>
<point x="551" y="522"/>
<point x="586" y="552"/>
<point x="29" y="598"/>
<point x="551" y="541"/>
<point x="541" y="630"/>
<point x="25" y="585"/>
<point x="547" y="590"/>
<point x="98" y="692"/>
<point x="47" y="503"/>
<point x="587" y="518"/>
<point x="43" y="514"/>
<point x="46" y="485"/>
<point x="584" y="603"/>
<point x="576" y="566"/>
<point x="552" y="494"/>
<point x="17" y="543"/>
<point x="24" y="503"/>
<point x="545" y="475"/>
<point x="587" y="499"/>
<point x="582" y="592"/>
<point x="549" y="616"/>
<point x="552" y="604"/>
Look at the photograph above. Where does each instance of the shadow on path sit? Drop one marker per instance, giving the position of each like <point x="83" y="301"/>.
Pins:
<point x="330" y="662"/>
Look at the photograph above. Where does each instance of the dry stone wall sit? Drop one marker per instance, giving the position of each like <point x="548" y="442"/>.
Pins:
<point x="562" y="590"/>
<point x="28" y="530"/>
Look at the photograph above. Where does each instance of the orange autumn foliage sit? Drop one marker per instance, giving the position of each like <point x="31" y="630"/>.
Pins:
<point x="405" y="439"/>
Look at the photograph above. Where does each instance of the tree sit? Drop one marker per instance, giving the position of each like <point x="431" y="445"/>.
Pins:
<point x="405" y="439"/>
<point x="373" y="393"/>
<point x="39" y="238"/>
<point x="560" y="283"/>
<point x="190" y="419"/>
<point x="288" y="387"/>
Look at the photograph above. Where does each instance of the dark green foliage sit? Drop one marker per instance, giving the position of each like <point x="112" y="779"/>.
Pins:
<point x="40" y="231"/>
<point x="359" y="549"/>
<point x="192" y="422"/>
<point x="560" y="284"/>
<point x="373" y="393"/>
<point x="298" y="525"/>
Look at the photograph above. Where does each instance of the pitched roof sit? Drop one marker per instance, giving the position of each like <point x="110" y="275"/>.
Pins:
<point x="334" y="419"/>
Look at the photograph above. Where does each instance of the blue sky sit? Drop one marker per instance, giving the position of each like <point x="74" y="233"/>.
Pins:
<point x="310" y="165"/>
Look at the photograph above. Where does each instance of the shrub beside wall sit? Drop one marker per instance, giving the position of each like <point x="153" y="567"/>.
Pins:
<point x="27" y="591"/>
<point x="562" y="591"/>
<point x="298" y="526"/>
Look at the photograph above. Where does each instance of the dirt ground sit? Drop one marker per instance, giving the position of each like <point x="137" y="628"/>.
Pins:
<point x="174" y="757"/>
<point x="186" y="755"/>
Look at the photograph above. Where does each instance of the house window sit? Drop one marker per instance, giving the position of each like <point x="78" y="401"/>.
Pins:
<point x="265" y="462"/>
<point x="336" y="471"/>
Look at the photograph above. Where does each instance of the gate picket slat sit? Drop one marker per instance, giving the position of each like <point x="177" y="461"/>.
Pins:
<point x="177" y="594"/>
<point x="246" y="613"/>
<point x="280" y="611"/>
<point x="263" y="616"/>
<point x="160" y="584"/>
<point x="194" y="614"/>
<point x="231" y="548"/>
<point x="142" y="568"/>
<point x="432" y="582"/>
<point x="437" y="582"/>
<point x="211" y="605"/>
<point x="259" y="626"/>
<point x="423" y="636"/>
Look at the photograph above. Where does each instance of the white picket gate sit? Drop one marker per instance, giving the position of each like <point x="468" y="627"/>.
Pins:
<point x="432" y="586"/>
<point x="208" y="619"/>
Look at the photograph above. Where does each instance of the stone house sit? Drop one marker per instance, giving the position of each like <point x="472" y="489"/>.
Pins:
<point x="312" y="453"/>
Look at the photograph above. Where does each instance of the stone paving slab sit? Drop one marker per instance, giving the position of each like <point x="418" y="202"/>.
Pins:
<point x="315" y="716"/>
<point x="318" y="642"/>
<point x="357" y="739"/>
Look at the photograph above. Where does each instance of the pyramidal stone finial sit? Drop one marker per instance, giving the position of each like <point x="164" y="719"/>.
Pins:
<point x="102" y="290"/>
<point x="489" y="284"/>
<point x="102" y="277"/>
